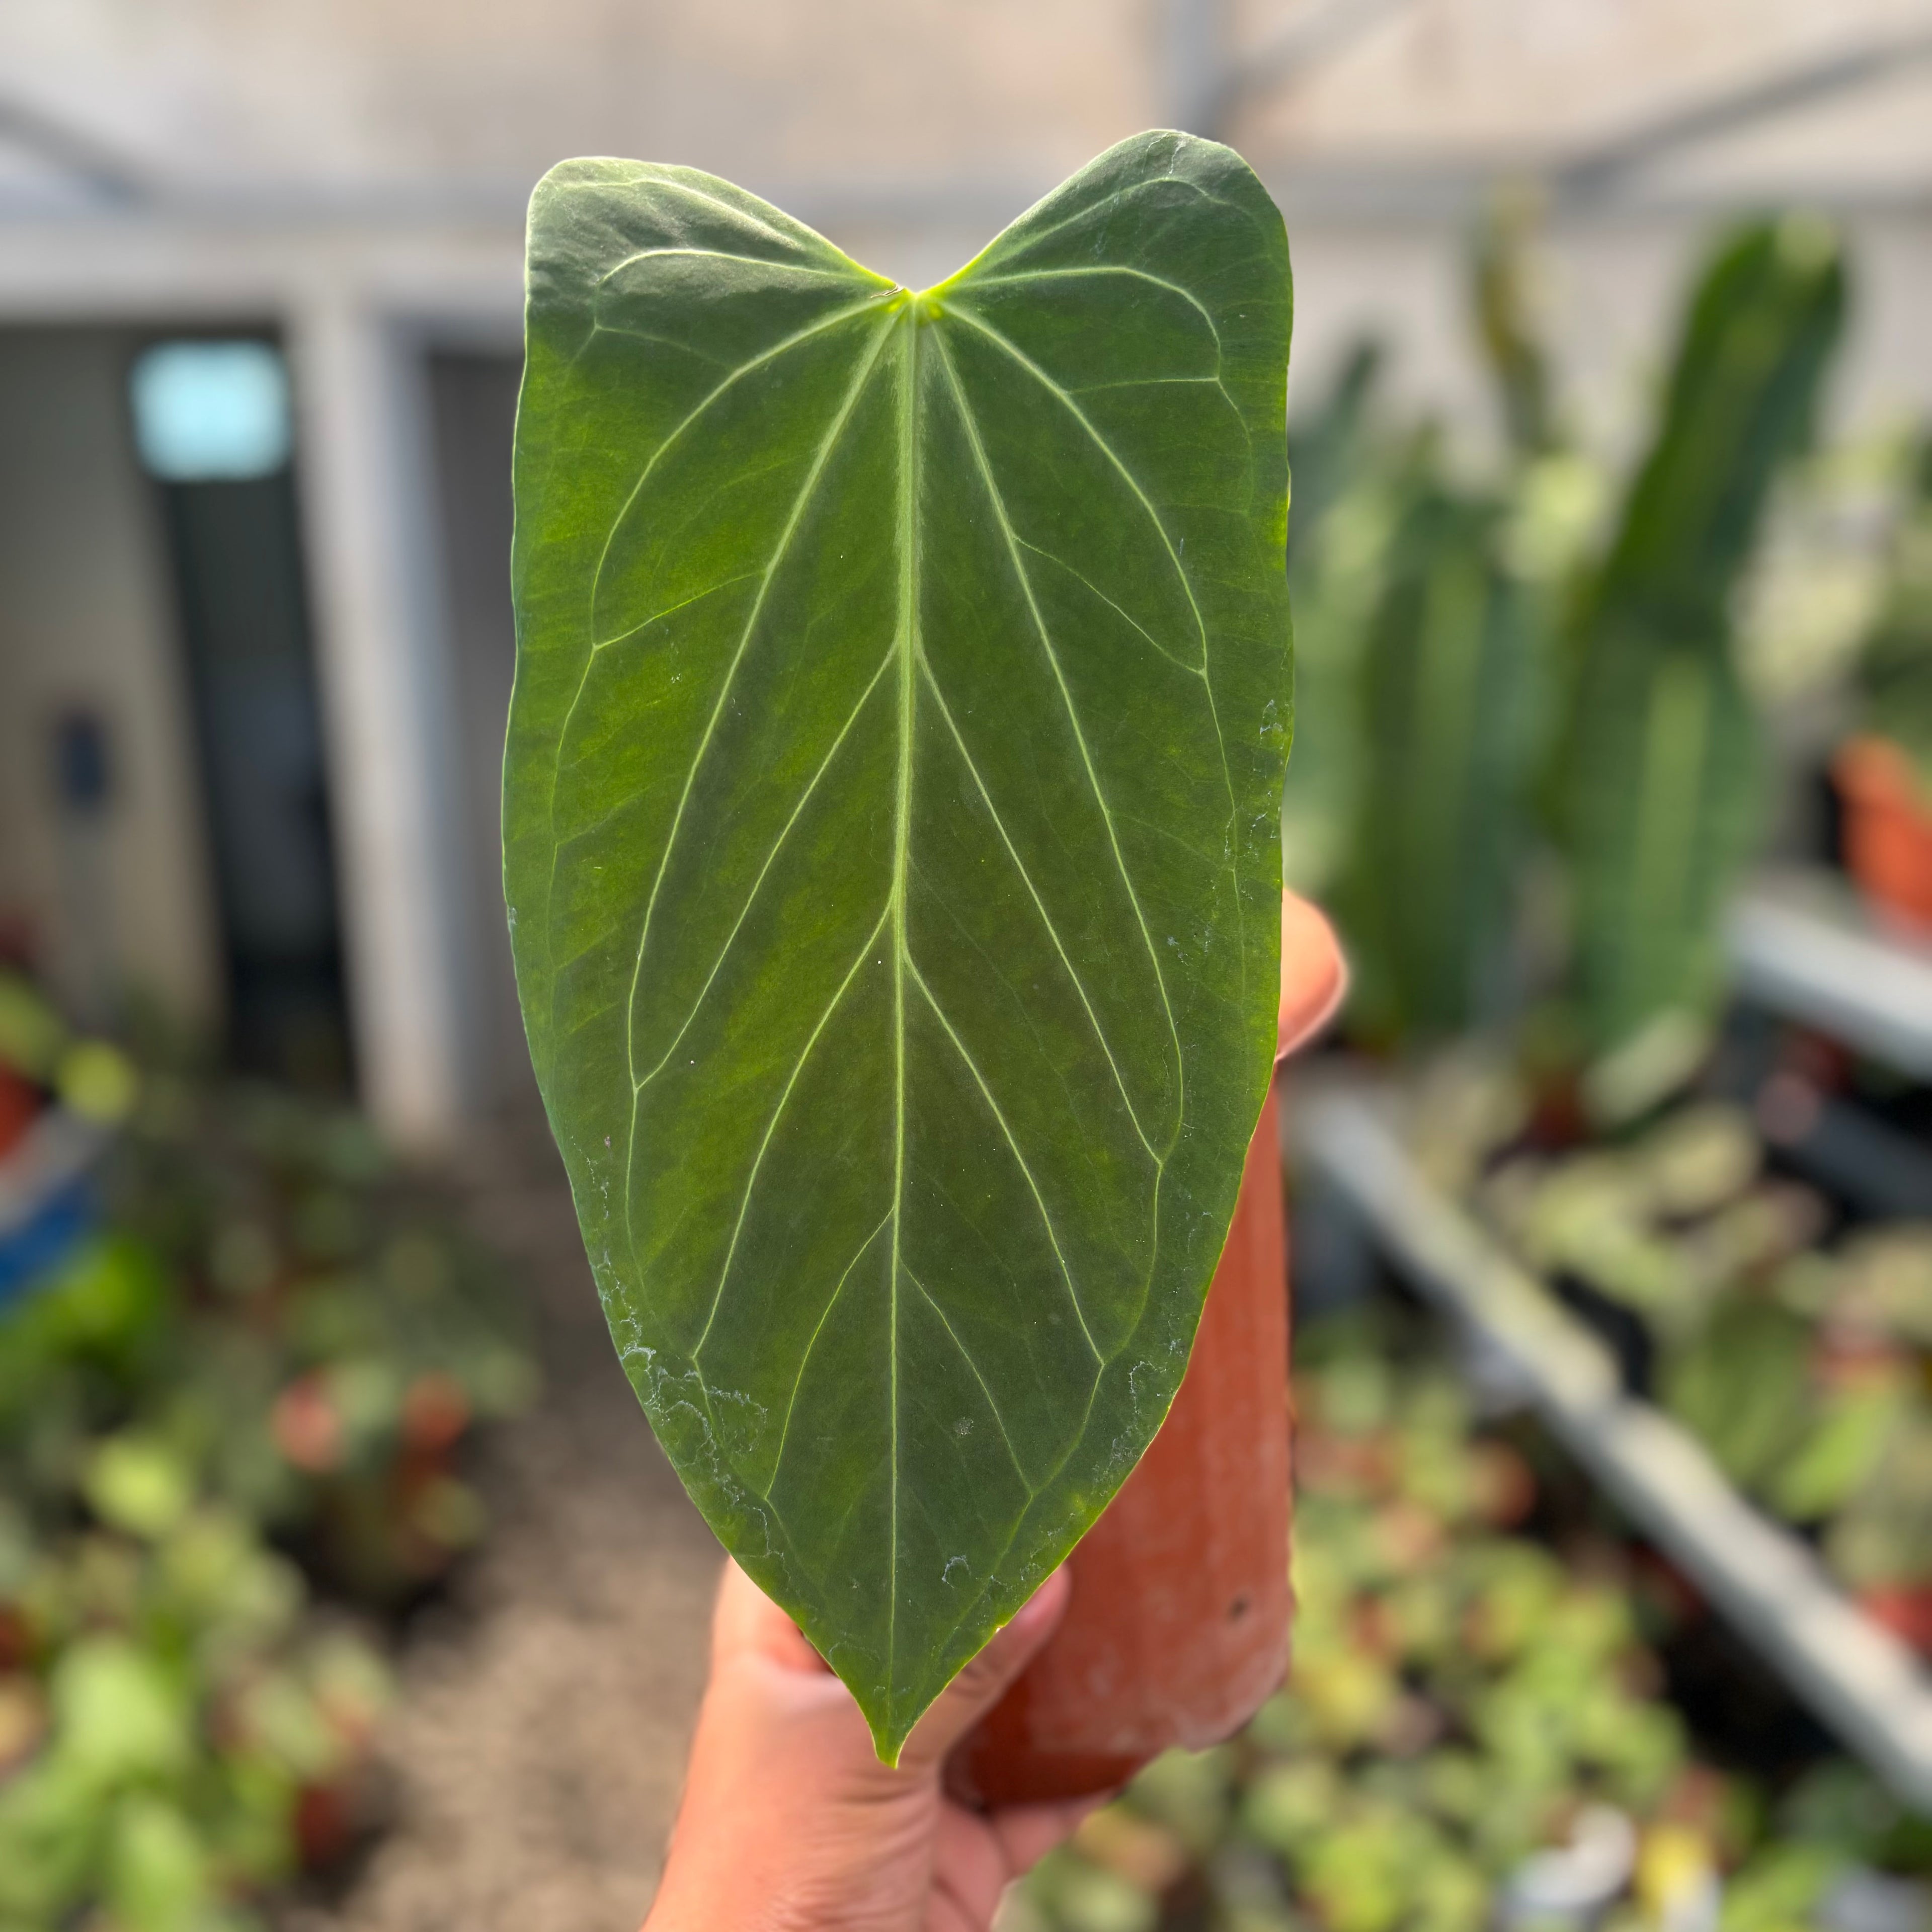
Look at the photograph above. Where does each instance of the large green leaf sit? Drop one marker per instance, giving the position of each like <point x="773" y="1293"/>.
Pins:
<point x="890" y="843"/>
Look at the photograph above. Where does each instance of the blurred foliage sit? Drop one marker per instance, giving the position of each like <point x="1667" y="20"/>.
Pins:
<point x="1895" y="670"/>
<point x="1450" y="701"/>
<point x="1340" y="522"/>
<point x="1475" y="1731"/>
<point x="1527" y="764"/>
<point x="1508" y="323"/>
<point x="1658" y="785"/>
<point x="230" y="1421"/>
<point x="1796" y="1346"/>
<point x="1818" y="581"/>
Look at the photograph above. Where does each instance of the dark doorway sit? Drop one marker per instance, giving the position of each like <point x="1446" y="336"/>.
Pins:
<point x="212" y="425"/>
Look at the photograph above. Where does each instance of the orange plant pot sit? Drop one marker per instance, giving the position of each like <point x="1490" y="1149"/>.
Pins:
<point x="1888" y="829"/>
<point x="1177" y="1629"/>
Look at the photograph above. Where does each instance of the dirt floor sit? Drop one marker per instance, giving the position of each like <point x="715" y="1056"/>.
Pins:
<point x="536" y="1755"/>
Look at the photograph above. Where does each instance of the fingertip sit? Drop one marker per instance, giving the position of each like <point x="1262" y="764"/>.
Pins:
<point x="746" y="1619"/>
<point x="1314" y="973"/>
<point x="1045" y="1607"/>
<point x="1027" y="1630"/>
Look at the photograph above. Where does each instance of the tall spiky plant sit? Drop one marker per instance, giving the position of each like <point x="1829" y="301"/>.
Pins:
<point x="1448" y="702"/>
<point x="1657" y="779"/>
<point x="1448" y="716"/>
<point x="1337" y="531"/>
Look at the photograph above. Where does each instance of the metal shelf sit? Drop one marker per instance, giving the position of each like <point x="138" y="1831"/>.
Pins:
<point x="1802" y="945"/>
<point x="1858" y="1678"/>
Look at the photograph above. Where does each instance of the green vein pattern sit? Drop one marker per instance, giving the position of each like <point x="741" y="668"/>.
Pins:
<point x="890" y="843"/>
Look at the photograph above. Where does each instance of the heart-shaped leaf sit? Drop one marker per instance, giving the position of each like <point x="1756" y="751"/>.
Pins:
<point x="890" y="838"/>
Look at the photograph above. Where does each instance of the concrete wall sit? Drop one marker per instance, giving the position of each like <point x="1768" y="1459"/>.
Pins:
<point x="84" y="620"/>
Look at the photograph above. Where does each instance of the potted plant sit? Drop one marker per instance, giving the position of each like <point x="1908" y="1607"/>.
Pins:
<point x="1657" y="789"/>
<point x="891" y="849"/>
<point x="1450" y="676"/>
<point x="1499" y="678"/>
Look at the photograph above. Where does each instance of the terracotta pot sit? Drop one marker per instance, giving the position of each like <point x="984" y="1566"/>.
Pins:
<point x="1887" y="828"/>
<point x="1178" y="1629"/>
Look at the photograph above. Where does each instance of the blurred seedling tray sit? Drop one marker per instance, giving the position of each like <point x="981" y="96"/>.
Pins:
<point x="1857" y="1677"/>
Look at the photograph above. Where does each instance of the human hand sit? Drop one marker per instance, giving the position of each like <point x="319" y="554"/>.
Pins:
<point x="790" y="1822"/>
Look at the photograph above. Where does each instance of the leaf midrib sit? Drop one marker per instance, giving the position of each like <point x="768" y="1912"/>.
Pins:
<point x="912" y="322"/>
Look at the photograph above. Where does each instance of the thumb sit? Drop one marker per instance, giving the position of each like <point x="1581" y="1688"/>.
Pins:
<point x="983" y="1682"/>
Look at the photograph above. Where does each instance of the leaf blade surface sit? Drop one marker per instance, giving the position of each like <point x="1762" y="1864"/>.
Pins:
<point x="890" y="846"/>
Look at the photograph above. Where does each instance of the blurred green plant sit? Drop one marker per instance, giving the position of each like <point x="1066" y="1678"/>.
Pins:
<point x="1657" y="784"/>
<point x="277" y="1309"/>
<point x="1342" y="516"/>
<point x="1466" y="1707"/>
<point x="1503" y="288"/>
<point x="1895" y="671"/>
<point x="1805" y="1367"/>
<point x="1527" y="764"/>
<point x="245" y="1388"/>
<point x="1450" y="701"/>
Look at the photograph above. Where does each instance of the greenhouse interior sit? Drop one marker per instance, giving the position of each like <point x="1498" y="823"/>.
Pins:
<point x="343" y="1586"/>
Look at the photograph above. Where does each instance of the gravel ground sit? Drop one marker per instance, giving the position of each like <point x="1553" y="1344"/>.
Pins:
<point x="536" y="1755"/>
